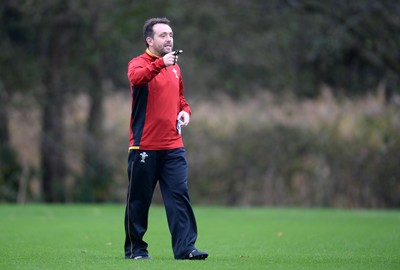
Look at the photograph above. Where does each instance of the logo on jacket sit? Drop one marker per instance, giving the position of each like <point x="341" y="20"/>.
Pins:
<point x="176" y="73"/>
<point x="144" y="155"/>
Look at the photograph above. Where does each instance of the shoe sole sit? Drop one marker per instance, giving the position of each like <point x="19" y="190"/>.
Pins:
<point x="199" y="257"/>
<point x="139" y="258"/>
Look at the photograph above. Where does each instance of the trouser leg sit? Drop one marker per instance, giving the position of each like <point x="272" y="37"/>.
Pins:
<point x="140" y="192"/>
<point x="180" y="215"/>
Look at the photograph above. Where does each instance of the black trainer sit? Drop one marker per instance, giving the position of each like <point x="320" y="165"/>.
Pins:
<point x="143" y="257"/>
<point x="196" y="255"/>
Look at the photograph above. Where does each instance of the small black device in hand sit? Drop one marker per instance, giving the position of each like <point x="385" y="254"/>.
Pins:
<point x="176" y="53"/>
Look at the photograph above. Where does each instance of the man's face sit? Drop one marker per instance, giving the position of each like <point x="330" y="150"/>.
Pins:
<point x="163" y="41"/>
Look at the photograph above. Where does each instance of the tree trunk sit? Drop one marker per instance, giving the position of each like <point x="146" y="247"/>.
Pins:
<point x="4" y="131"/>
<point x="52" y="137"/>
<point x="94" y="187"/>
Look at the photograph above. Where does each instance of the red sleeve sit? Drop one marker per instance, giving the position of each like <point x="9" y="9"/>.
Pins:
<point x="184" y="106"/>
<point x="141" y="72"/>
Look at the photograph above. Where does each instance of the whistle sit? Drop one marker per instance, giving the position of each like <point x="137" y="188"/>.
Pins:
<point x="178" y="52"/>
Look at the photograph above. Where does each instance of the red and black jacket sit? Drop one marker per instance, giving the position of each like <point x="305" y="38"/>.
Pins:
<point x="157" y="98"/>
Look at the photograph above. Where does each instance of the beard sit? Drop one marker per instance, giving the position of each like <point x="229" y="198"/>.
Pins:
<point x="163" y="49"/>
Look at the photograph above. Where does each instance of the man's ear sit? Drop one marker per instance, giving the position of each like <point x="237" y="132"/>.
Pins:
<point x="149" y="40"/>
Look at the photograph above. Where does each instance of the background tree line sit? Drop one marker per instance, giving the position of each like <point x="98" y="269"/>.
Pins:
<point x="55" y="51"/>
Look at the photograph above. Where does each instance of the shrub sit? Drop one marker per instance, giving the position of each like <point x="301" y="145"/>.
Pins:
<point x="264" y="152"/>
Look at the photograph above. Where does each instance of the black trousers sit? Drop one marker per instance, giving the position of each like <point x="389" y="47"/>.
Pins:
<point x="169" y="167"/>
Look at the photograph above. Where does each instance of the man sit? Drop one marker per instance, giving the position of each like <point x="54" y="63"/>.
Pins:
<point x="156" y="150"/>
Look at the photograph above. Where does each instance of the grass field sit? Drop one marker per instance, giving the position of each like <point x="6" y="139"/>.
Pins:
<point x="91" y="237"/>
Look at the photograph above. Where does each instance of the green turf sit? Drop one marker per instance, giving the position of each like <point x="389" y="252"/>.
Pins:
<point x="91" y="237"/>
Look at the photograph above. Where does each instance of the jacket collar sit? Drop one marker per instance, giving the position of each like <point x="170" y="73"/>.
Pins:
<point x="151" y="54"/>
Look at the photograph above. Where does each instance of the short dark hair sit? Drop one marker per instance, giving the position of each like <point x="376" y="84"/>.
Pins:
<point x="148" y="27"/>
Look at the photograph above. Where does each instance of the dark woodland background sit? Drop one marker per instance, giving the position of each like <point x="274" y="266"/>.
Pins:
<point x="295" y="103"/>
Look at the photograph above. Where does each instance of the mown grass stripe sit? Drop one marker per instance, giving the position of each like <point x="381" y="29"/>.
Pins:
<point x="91" y="237"/>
